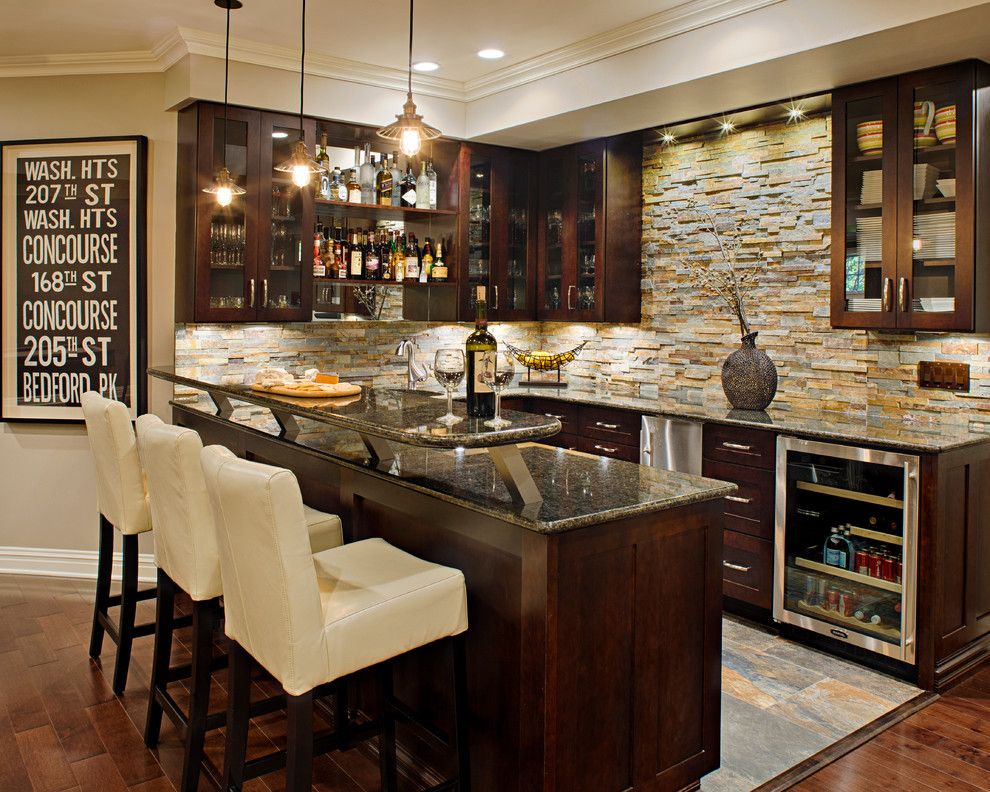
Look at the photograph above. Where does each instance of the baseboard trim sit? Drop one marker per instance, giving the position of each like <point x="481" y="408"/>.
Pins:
<point x="50" y="562"/>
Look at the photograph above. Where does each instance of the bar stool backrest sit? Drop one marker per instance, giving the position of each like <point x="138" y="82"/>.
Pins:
<point x="271" y="597"/>
<point x="185" y="537"/>
<point x="119" y="478"/>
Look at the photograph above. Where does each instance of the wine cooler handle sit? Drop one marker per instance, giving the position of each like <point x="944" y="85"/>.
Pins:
<point x="647" y="455"/>
<point x="737" y="447"/>
<point x="737" y="499"/>
<point x="737" y="567"/>
<point x="251" y="299"/>
<point x="495" y="304"/>
<point x="570" y="291"/>
<point x="902" y="295"/>
<point x="888" y="294"/>
<point x="264" y="293"/>
<point x="606" y="449"/>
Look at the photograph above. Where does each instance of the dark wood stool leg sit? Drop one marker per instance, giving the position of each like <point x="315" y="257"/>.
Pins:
<point x="386" y="741"/>
<point x="299" y="743"/>
<point x="104" y="568"/>
<point x="128" y="604"/>
<point x="458" y="645"/>
<point x="205" y="618"/>
<point x="164" y="627"/>
<point x="238" y="716"/>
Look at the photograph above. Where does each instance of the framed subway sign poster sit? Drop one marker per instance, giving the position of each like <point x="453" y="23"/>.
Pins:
<point x="72" y="292"/>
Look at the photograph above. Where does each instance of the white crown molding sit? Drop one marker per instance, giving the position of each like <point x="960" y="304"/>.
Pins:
<point x="67" y="563"/>
<point x="675" y="21"/>
<point x="126" y="62"/>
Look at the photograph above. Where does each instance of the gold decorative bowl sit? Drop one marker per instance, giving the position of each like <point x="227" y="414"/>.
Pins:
<point x="545" y="361"/>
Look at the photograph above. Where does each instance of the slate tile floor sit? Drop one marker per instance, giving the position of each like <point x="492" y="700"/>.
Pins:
<point x="783" y="702"/>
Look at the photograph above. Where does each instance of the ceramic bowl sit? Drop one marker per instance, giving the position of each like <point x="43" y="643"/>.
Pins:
<point x="925" y="141"/>
<point x="945" y="131"/>
<point x="947" y="187"/>
<point x="945" y="113"/>
<point x="869" y="136"/>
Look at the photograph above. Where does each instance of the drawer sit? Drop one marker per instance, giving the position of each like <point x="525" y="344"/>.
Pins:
<point x="747" y="569"/>
<point x="615" y="426"/>
<point x="565" y="412"/>
<point x="750" y="510"/>
<point x="606" y="448"/>
<point x="517" y="403"/>
<point x="752" y="447"/>
<point x="561" y="440"/>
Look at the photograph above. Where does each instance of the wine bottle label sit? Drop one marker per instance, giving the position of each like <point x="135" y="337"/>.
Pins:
<point x="341" y="192"/>
<point x="372" y="264"/>
<point x="412" y="267"/>
<point x="483" y="361"/>
<point x="433" y="195"/>
<point x="354" y="196"/>
<point x="409" y="196"/>
<point x="356" y="263"/>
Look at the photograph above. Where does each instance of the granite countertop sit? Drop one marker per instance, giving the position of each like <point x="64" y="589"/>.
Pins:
<point x="402" y="416"/>
<point x="855" y="428"/>
<point x="579" y="490"/>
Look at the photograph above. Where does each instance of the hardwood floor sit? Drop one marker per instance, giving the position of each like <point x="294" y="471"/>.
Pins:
<point x="61" y="727"/>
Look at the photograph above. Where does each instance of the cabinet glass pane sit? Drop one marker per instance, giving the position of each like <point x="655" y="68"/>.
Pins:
<point x="517" y="265"/>
<point x="282" y="288"/>
<point x="589" y="178"/>
<point x="554" y="252"/>
<point x="933" y="222"/>
<point x="479" y="226"/>
<point x="865" y="217"/>
<point x="227" y="224"/>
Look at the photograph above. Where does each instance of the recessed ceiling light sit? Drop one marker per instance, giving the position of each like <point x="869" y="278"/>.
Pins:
<point x="426" y="66"/>
<point x="491" y="54"/>
<point x="280" y="135"/>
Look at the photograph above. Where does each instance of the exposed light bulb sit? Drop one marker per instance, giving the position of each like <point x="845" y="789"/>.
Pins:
<point x="668" y="138"/>
<point x="727" y="126"/>
<point x="795" y="113"/>
<point x="410" y="142"/>
<point x="224" y="196"/>
<point x="300" y="175"/>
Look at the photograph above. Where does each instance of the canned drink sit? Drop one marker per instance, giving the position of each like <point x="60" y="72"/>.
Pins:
<point x="847" y="603"/>
<point x="887" y="570"/>
<point x="876" y="564"/>
<point x="862" y="562"/>
<point x="897" y="571"/>
<point x="832" y="600"/>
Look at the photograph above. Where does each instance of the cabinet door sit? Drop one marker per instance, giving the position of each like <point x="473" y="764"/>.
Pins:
<point x="513" y="293"/>
<point x="476" y="185"/>
<point x="935" y="201"/>
<point x="584" y="297"/>
<point x="226" y="237"/>
<point x="556" y="234"/>
<point x="864" y="205"/>
<point x="286" y="223"/>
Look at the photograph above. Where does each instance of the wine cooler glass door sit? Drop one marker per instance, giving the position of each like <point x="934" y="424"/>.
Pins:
<point x="846" y="544"/>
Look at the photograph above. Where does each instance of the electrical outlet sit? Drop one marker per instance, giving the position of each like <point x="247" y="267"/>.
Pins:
<point x="944" y="375"/>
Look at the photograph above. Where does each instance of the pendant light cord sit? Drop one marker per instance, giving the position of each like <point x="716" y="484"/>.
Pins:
<point x="410" y="43"/>
<point x="302" y="68"/>
<point x="226" y="73"/>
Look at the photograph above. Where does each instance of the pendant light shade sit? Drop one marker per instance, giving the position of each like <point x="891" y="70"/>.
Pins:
<point x="300" y="165"/>
<point x="224" y="188"/>
<point x="409" y="129"/>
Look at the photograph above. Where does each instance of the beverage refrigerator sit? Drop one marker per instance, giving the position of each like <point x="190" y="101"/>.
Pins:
<point x="846" y="544"/>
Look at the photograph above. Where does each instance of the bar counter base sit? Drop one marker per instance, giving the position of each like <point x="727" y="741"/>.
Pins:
<point x="593" y="655"/>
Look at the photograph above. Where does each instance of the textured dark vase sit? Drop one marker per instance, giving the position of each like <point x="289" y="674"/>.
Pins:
<point x="749" y="376"/>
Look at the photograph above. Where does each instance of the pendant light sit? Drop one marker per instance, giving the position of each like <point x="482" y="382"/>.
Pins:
<point x="300" y="165"/>
<point x="409" y="129"/>
<point x="224" y="187"/>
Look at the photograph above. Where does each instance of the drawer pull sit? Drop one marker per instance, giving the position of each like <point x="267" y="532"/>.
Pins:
<point x="737" y="567"/>
<point x="737" y="446"/>
<point x="808" y="512"/>
<point x="551" y="415"/>
<point x="737" y="499"/>
<point x="606" y="449"/>
<point x="606" y="425"/>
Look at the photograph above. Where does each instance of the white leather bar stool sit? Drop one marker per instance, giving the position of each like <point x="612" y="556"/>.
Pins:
<point x="187" y="560"/>
<point x="123" y="505"/>
<point x="313" y="619"/>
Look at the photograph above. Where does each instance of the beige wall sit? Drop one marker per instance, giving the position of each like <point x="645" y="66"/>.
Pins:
<point x="46" y="482"/>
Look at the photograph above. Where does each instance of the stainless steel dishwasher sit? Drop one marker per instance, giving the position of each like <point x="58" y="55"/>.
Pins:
<point x="671" y="444"/>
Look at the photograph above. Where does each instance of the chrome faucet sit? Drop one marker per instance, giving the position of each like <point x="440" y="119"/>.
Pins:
<point x="415" y="372"/>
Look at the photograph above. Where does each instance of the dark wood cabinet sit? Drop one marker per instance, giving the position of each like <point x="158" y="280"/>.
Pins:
<point x="593" y="430"/>
<point x="590" y="231"/>
<point x="910" y="190"/>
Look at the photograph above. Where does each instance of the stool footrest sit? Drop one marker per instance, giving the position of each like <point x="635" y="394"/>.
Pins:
<point x="113" y="631"/>
<point x="179" y="672"/>
<point x="322" y="743"/>
<point x="408" y="715"/>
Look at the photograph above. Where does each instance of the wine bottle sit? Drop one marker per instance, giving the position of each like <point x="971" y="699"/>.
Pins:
<point x="323" y="160"/>
<point x="353" y="187"/>
<point x="372" y="261"/>
<point x="408" y="194"/>
<point x="439" y="272"/>
<point x="432" y="176"/>
<point x="423" y="188"/>
<point x="482" y="351"/>
<point x="426" y="261"/>
<point x="367" y="177"/>
<point x="357" y="257"/>
<point x="383" y="184"/>
<point x="412" y="259"/>
<point x="396" y="180"/>
<point x="399" y="258"/>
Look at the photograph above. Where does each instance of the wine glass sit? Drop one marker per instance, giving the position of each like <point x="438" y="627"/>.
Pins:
<point x="448" y="368"/>
<point x="497" y="377"/>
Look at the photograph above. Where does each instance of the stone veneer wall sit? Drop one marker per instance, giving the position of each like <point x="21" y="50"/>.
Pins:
<point x="769" y="187"/>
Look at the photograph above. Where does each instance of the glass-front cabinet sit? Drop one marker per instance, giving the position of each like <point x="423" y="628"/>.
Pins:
<point x="907" y="251"/>
<point x="846" y="544"/>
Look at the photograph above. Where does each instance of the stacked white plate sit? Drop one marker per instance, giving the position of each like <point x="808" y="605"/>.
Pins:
<point x="864" y="304"/>
<point x="925" y="177"/>
<point x="872" y="192"/>
<point x="934" y="304"/>
<point x="935" y="235"/>
<point x="869" y="236"/>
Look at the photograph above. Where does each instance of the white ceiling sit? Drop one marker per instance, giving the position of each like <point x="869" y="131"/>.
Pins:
<point x="449" y="32"/>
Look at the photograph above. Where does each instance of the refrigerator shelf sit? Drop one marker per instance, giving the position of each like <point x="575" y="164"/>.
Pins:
<point x="839" y="492"/>
<point x="887" y="633"/>
<point x="855" y="577"/>
<point x="877" y="536"/>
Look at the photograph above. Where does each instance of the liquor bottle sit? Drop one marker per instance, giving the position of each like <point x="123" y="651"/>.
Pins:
<point x="340" y="254"/>
<point x="396" y="180"/>
<point x="412" y="259"/>
<point x="383" y="183"/>
<point x="398" y="258"/>
<point x="838" y="551"/>
<point x="323" y="160"/>
<point x="482" y="351"/>
<point x="432" y="176"/>
<point x="426" y="259"/>
<point x="423" y="188"/>
<point x="327" y="253"/>
<point x="319" y="268"/>
<point x="385" y="255"/>
<point x="367" y="177"/>
<point x="338" y="185"/>
<point x="409" y="188"/>
<point x="439" y="272"/>
<point x="372" y="261"/>
<point x="353" y="188"/>
<point x="356" y="269"/>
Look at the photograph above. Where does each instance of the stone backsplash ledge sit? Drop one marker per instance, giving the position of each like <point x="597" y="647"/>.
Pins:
<point x="769" y="187"/>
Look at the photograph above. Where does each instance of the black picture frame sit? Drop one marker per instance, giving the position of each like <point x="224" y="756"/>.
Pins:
<point x="10" y="152"/>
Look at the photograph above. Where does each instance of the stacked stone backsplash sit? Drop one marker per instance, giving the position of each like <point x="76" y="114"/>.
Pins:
<point x="769" y="187"/>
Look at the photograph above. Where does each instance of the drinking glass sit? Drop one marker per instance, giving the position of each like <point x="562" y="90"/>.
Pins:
<point x="498" y="378"/>
<point x="448" y="368"/>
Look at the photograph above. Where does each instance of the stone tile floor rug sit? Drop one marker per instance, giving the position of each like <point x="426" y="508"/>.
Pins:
<point x="783" y="702"/>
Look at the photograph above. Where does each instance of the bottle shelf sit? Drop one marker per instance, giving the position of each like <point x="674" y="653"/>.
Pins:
<point x="863" y="497"/>
<point x="378" y="212"/>
<point x="405" y="284"/>
<point x="876" y="536"/>
<point x="887" y="633"/>
<point x="845" y="574"/>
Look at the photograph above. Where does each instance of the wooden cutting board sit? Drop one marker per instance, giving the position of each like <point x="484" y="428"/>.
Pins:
<point x="311" y="390"/>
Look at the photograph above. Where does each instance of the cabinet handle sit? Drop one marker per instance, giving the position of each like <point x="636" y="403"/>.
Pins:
<point x="570" y="291"/>
<point x="264" y="293"/>
<point x="606" y="449"/>
<point x="251" y="300"/>
<point x="902" y="295"/>
<point x="737" y="567"/>
<point x="888" y="293"/>
<point x="606" y="425"/>
<point x="551" y="415"/>
<point x="495" y="306"/>
<point x="737" y="446"/>
<point x="737" y="499"/>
